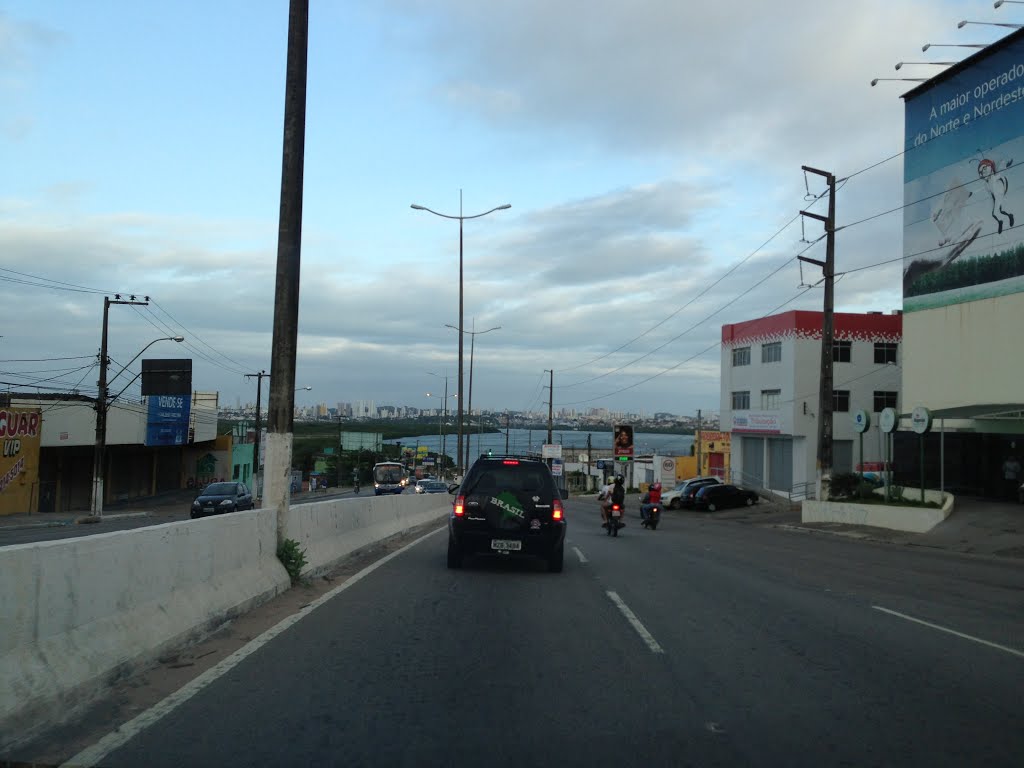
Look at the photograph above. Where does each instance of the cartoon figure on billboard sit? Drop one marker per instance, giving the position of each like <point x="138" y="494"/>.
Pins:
<point x="997" y="187"/>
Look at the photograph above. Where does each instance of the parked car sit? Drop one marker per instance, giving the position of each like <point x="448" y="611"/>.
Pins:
<point x="220" y="498"/>
<point x="723" y="496"/>
<point x="430" y="486"/>
<point x="508" y="506"/>
<point x="674" y="499"/>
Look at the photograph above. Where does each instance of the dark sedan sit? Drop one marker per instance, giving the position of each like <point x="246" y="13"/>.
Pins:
<point x="220" y="498"/>
<point x="723" y="496"/>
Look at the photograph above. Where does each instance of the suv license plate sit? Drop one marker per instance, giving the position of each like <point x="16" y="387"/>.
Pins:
<point x="506" y="545"/>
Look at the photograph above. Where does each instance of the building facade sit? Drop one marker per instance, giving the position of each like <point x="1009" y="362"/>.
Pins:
<point x="771" y="374"/>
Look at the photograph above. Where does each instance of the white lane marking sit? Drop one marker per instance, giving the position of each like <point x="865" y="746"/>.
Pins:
<point x="637" y="625"/>
<point x="950" y="631"/>
<point x="580" y="555"/>
<point x="90" y="756"/>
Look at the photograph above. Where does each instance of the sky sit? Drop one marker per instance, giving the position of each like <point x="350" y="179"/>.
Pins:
<point x="651" y="153"/>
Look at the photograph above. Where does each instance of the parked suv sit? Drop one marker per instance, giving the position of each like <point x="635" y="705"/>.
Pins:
<point x="675" y="498"/>
<point x="507" y="506"/>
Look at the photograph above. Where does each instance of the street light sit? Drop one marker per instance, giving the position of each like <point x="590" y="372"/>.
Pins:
<point x="962" y="24"/>
<point x="878" y="80"/>
<point x="102" y="405"/>
<point x="461" y="219"/>
<point x="926" y="46"/>
<point x="469" y="405"/>
<point x="900" y="64"/>
<point x="442" y="440"/>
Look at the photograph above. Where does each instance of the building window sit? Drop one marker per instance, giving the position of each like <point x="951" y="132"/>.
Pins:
<point x="841" y="351"/>
<point x="884" y="400"/>
<point x="840" y="401"/>
<point x="770" y="399"/>
<point x="885" y="352"/>
<point x="741" y="356"/>
<point x="771" y="353"/>
<point x="741" y="401"/>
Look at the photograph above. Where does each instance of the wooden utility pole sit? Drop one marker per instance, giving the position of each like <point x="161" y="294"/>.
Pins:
<point x="280" y="418"/>
<point x="824" y="459"/>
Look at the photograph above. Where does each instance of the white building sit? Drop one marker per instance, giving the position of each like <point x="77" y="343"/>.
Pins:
<point x="771" y="372"/>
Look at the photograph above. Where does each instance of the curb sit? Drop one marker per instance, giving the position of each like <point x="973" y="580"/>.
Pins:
<point x="27" y="526"/>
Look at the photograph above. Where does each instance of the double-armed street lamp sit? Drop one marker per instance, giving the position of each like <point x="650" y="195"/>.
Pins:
<point x="469" y="405"/>
<point x="442" y="415"/>
<point x="461" y="218"/>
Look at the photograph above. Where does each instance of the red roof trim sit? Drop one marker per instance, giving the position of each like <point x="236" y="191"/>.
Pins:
<point x="807" y="325"/>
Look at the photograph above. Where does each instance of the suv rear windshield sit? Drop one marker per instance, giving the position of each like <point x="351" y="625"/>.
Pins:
<point x="525" y="476"/>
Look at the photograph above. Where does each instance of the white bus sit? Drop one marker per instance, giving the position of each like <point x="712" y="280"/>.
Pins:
<point x="387" y="477"/>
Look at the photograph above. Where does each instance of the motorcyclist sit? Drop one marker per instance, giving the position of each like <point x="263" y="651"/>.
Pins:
<point x="615" y="495"/>
<point x="653" y="497"/>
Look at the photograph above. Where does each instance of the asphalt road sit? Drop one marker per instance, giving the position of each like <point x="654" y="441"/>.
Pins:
<point x="120" y="519"/>
<point x="704" y="643"/>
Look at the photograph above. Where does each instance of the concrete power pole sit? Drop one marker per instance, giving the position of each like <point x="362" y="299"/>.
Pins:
<point x="824" y="458"/>
<point x="551" y="400"/>
<point x="700" y="463"/>
<point x="280" y="421"/>
<point x="257" y="490"/>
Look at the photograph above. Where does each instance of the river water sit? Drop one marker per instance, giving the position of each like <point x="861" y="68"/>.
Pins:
<point x="525" y="440"/>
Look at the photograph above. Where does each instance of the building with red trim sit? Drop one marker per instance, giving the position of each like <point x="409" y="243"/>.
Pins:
<point x="771" y="373"/>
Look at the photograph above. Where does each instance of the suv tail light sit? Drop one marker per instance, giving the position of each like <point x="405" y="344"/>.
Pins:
<point x="556" y="509"/>
<point x="511" y="463"/>
<point x="460" y="506"/>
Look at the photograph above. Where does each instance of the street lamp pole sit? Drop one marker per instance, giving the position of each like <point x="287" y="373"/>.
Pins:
<point x="103" y="405"/>
<point x="469" y="405"/>
<point x="461" y="219"/>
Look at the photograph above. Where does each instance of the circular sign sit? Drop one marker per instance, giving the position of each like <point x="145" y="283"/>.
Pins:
<point x="600" y="465"/>
<point x="668" y="465"/>
<point x="887" y="420"/>
<point x="861" y="421"/>
<point x="920" y="420"/>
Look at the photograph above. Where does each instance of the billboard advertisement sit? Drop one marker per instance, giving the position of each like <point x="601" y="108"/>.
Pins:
<point x="167" y="420"/>
<point x="623" y="440"/>
<point x="963" y="188"/>
<point x="360" y="441"/>
<point x="20" y="433"/>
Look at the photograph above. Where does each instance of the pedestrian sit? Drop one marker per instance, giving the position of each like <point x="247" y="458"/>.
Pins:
<point x="1011" y="476"/>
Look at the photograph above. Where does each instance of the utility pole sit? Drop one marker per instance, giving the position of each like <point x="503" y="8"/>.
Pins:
<point x="551" y="399"/>
<point x="281" y="413"/>
<point x="100" y="449"/>
<point x="700" y="463"/>
<point x="824" y="460"/>
<point x="589" y="460"/>
<point x="339" y="451"/>
<point x="506" y="432"/>
<point x="257" y="490"/>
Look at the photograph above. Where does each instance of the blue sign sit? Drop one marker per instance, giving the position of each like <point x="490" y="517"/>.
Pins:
<point x="167" y="422"/>
<point x="600" y="465"/>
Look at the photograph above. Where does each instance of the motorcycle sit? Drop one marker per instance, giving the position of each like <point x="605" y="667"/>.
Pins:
<point x="650" y="515"/>
<point x="614" y="520"/>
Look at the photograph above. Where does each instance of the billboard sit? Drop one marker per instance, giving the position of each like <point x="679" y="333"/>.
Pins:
<point x="167" y="377"/>
<point x="623" y="440"/>
<point x="963" y="191"/>
<point x="167" y="420"/>
<point x="20" y="433"/>
<point x="360" y="441"/>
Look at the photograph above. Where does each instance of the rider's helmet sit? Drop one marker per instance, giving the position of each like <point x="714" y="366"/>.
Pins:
<point x="618" y="479"/>
<point x="656" y="487"/>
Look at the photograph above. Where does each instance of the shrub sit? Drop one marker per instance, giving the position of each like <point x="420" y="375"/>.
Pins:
<point x="844" y="485"/>
<point x="292" y="558"/>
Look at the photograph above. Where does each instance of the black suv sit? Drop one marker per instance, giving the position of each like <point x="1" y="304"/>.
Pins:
<point x="508" y="505"/>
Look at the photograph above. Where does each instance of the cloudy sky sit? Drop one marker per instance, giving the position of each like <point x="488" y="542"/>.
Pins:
<point x="651" y="151"/>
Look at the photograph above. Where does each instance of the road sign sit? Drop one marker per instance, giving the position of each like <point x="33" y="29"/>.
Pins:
<point x="861" y="421"/>
<point x="551" y="451"/>
<point x="600" y="465"/>
<point x="556" y="468"/>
